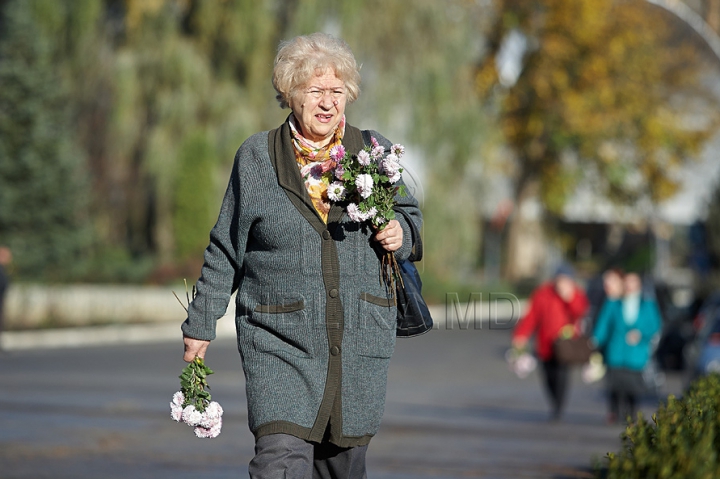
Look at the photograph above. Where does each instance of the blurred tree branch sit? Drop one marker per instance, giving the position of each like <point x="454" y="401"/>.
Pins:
<point x="611" y="95"/>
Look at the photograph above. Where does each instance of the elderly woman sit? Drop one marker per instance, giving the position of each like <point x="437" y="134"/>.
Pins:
<point x="315" y="324"/>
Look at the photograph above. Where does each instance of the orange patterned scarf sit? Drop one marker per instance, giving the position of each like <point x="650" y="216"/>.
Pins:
<point x="316" y="166"/>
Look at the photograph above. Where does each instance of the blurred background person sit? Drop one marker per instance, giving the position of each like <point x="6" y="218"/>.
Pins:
<point x="5" y="260"/>
<point x="624" y="331"/>
<point x="555" y="310"/>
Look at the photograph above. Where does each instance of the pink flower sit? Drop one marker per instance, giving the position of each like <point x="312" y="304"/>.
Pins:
<point x="364" y="184"/>
<point x="377" y="152"/>
<point x="336" y="191"/>
<point x="363" y="158"/>
<point x="398" y="150"/>
<point x="374" y="141"/>
<point x="337" y="152"/>
<point x="391" y="167"/>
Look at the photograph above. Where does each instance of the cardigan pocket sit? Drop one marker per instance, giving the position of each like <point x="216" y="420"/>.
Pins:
<point x="281" y="328"/>
<point x="375" y="335"/>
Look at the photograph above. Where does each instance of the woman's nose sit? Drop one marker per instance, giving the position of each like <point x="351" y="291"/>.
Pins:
<point x="328" y="101"/>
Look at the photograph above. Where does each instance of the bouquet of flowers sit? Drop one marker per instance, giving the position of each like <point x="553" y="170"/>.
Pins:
<point x="367" y="182"/>
<point x="193" y="405"/>
<point x="520" y="361"/>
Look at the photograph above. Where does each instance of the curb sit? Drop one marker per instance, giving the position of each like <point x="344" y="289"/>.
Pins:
<point x="74" y="337"/>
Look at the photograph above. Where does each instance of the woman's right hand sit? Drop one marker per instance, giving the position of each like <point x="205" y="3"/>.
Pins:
<point x="194" y="348"/>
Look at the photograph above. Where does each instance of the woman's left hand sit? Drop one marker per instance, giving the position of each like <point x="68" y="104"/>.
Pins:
<point x="390" y="237"/>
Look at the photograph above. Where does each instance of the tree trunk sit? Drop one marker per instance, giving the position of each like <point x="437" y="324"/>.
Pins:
<point x="526" y="240"/>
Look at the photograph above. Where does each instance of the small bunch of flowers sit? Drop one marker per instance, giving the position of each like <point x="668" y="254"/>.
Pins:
<point x="367" y="182"/>
<point x="193" y="405"/>
<point x="520" y="361"/>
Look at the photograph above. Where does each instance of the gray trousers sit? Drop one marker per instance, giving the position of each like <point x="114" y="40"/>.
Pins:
<point x="282" y="456"/>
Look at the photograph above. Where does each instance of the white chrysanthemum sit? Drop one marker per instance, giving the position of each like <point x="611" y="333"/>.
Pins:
<point x="364" y="184"/>
<point x="211" y="431"/>
<point x="377" y="152"/>
<point x="354" y="213"/>
<point x="178" y="398"/>
<point x="191" y="416"/>
<point x="370" y="214"/>
<point x="398" y="150"/>
<point x="336" y="191"/>
<point x="176" y="411"/>
<point x="214" y="410"/>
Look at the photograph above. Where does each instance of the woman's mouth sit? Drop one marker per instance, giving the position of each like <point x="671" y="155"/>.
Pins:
<point x="323" y="118"/>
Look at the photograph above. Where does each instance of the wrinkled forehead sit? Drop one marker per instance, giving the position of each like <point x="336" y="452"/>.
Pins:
<point x="326" y="78"/>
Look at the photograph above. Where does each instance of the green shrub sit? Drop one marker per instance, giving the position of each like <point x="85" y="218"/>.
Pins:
<point x="681" y="442"/>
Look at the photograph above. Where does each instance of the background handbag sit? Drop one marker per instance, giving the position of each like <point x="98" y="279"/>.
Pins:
<point x="573" y="350"/>
<point x="413" y="315"/>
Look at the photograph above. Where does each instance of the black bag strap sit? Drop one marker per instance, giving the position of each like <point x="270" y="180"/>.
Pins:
<point x="417" y="248"/>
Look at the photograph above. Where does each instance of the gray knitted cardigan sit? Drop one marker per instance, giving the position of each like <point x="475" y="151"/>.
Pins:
<point x="315" y="324"/>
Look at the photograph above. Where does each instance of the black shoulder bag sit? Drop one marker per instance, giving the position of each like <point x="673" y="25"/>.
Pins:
<point x="413" y="315"/>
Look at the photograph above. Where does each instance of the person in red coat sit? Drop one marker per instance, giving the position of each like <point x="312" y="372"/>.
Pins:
<point x="555" y="309"/>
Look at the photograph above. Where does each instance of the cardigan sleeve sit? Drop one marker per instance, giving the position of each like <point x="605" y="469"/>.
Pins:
<point x="223" y="261"/>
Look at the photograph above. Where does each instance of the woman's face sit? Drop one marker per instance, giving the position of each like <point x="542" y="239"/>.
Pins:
<point x="633" y="284"/>
<point x="319" y="108"/>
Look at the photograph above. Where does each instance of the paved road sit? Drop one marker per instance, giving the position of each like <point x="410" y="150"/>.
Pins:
<point x="453" y="411"/>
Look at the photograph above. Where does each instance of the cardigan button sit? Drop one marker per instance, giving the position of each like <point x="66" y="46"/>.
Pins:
<point x="335" y="350"/>
<point x="333" y="293"/>
<point x="326" y="235"/>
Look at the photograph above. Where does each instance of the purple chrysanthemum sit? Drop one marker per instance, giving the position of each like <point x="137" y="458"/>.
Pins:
<point x="364" y="184"/>
<point x="339" y="171"/>
<point x="337" y="152"/>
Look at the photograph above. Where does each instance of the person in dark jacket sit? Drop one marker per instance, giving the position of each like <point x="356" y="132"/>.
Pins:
<point x="554" y="310"/>
<point x="315" y="324"/>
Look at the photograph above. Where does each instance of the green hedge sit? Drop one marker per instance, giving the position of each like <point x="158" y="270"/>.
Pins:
<point x="681" y="442"/>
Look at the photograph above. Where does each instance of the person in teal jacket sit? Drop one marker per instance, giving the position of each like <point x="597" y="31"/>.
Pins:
<point x="624" y="333"/>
